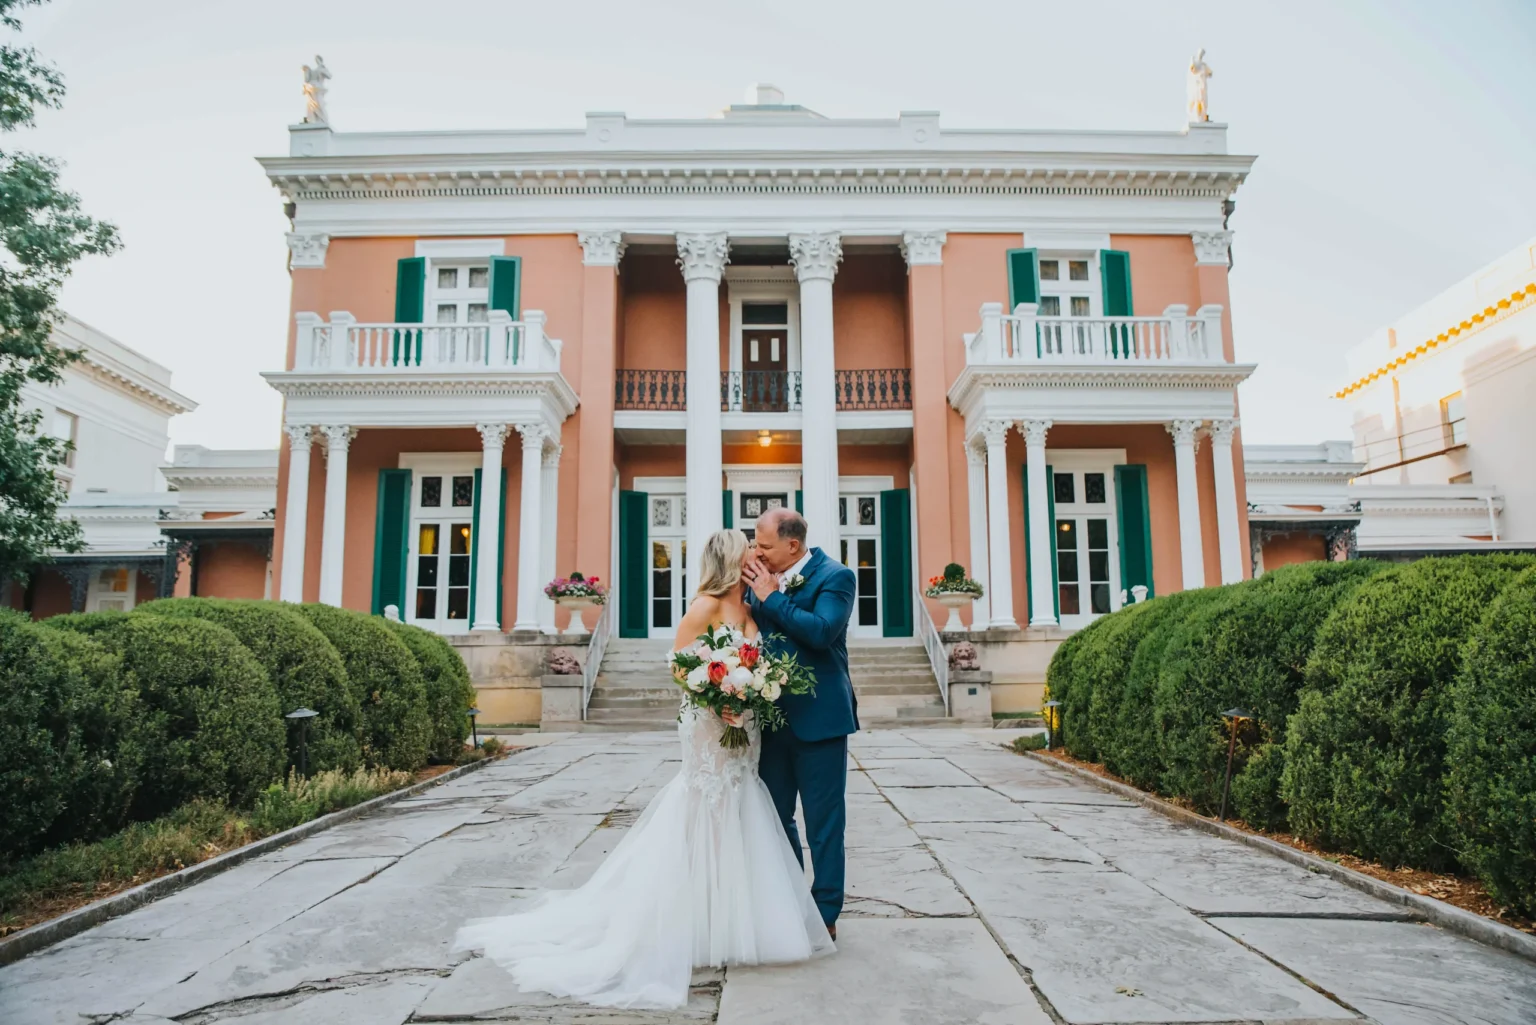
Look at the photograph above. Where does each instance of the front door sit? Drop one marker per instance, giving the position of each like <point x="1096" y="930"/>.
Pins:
<point x="1087" y="556"/>
<point x="668" y="564"/>
<point x="441" y="549"/>
<point x="858" y="518"/>
<point x="751" y="505"/>
<point x="765" y="360"/>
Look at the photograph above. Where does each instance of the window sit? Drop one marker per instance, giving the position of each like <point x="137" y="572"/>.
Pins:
<point x="1462" y="478"/>
<point x="1453" y="418"/>
<point x="461" y="293"/>
<point x="66" y="428"/>
<point x="111" y="590"/>
<point x="669" y="563"/>
<point x="1069" y="290"/>
<point x="441" y="548"/>
<point x="1087" y="571"/>
<point x="859" y="517"/>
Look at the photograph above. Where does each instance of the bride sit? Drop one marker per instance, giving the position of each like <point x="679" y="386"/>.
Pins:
<point x="705" y="878"/>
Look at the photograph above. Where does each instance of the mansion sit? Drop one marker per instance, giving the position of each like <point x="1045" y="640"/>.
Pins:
<point x="517" y="354"/>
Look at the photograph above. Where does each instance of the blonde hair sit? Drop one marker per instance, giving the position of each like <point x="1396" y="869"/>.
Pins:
<point x="720" y="564"/>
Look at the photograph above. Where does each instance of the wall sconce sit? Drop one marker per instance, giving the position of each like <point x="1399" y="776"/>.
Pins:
<point x="764" y="438"/>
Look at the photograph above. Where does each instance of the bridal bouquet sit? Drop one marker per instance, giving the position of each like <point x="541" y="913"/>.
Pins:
<point x="725" y="672"/>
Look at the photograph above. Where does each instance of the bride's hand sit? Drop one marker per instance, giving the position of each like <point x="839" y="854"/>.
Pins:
<point x="731" y="718"/>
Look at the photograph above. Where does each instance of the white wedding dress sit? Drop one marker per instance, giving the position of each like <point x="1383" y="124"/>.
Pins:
<point x="706" y="877"/>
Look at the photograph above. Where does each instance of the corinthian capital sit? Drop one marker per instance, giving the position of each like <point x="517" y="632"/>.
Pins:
<point x="492" y="435"/>
<point x="995" y="432"/>
<point x="300" y="437"/>
<point x="1212" y="247"/>
<point x="923" y="248"/>
<point x="816" y="256"/>
<point x="533" y="435"/>
<point x="601" y="248"/>
<point x="338" y="437"/>
<point x="1185" y="432"/>
<point x="307" y="250"/>
<point x="703" y="255"/>
<point x="1034" y="432"/>
<point x="1222" y="431"/>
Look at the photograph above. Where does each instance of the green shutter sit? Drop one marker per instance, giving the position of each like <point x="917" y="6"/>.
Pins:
<point x="410" y="299"/>
<point x="390" y="541"/>
<point x="1115" y="273"/>
<point x="1135" y="527"/>
<point x="506" y="287"/>
<point x="474" y="549"/>
<point x="729" y="520"/>
<point x="896" y="561"/>
<point x="633" y="563"/>
<point x="1023" y="278"/>
<point x="800" y="502"/>
<point x="1029" y="555"/>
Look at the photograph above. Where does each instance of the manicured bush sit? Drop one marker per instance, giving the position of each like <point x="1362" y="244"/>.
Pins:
<point x="1060" y="685"/>
<point x="1491" y="748"/>
<point x="449" y="693"/>
<point x="1099" y="677"/>
<point x="303" y="666"/>
<point x="210" y="724"/>
<point x="386" y="681"/>
<point x="1365" y="751"/>
<point x="64" y="771"/>
<point x="1247" y="648"/>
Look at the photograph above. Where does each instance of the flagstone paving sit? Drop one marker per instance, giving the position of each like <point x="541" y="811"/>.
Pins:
<point x="983" y="887"/>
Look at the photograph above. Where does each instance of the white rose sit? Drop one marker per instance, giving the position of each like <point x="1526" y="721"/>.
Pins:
<point x="741" y="678"/>
<point x="771" y="690"/>
<point x="698" y="677"/>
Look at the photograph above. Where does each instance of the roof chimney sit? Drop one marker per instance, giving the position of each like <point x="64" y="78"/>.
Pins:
<point x="763" y="95"/>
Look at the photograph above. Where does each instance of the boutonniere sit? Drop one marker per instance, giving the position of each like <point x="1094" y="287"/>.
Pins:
<point x="794" y="583"/>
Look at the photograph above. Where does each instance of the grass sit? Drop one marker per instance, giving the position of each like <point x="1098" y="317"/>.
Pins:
<point x="1029" y="742"/>
<point x="53" y="882"/>
<point x="998" y="716"/>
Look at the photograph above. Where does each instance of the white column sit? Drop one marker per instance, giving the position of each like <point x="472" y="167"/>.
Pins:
<point x="1191" y="551"/>
<point x="550" y="489"/>
<point x="1226" y="501"/>
<point x="296" y="512"/>
<point x="702" y="258"/>
<point x="333" y="535"/>
<point x="1001" y="571"/>
<point x="976" y="492"/>
<point x="1042" y="600"/>
<point x="529" y="529"/>
<point x="493" y="438"/>
<point x="815" y="258"/>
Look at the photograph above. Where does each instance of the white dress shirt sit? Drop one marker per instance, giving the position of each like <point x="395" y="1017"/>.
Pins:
<point x="784" y="577"/>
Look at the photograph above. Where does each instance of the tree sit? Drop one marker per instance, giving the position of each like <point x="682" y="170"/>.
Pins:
<point x="43" y="234"/>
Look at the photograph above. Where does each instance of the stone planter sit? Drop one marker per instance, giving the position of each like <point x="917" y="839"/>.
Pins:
<point x="561" y="707"/>
<point x="954" y="601"/>
<point x="576" y="604"/>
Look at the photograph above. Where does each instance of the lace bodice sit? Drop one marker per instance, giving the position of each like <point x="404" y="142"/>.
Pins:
<point x="709" y="769"/>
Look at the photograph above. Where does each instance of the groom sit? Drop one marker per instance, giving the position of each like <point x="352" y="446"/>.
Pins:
<point x="806" y="597"/>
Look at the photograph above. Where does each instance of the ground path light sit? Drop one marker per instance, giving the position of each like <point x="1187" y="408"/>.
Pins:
<point x="1051" y="712"/>
<point x="303" y="715"/>
<point x="1235" y="717"/>
<point x="474" y="732"/>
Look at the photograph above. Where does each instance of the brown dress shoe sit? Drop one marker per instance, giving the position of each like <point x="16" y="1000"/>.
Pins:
<point x="832" y="932"/>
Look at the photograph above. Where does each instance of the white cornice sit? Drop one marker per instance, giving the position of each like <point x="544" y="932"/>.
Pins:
<point x="156" y="396"/>
<point x="481" y="385"/>
<point x="184" y="479"/>
<point x="1175" y="377"/>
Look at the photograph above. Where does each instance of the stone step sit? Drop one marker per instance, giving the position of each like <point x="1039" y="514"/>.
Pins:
<point x="624" y="726"/>
<point x="614" y="701"/>
<point x="632" y="714"/>
<point x="908" y="722"/>
<point x="921" y="688"/>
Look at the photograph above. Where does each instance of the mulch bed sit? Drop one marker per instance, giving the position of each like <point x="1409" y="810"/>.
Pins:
<point x="1459" y="891"/>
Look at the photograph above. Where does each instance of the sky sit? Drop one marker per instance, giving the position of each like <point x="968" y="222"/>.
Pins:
<point x="1396" y="141"/>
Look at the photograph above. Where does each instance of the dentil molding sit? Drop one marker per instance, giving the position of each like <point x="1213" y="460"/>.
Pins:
<point x="1212" y="247"/>
<point x="703" y="255"/>
<point x="307" y="250"/>
<point x="923" y="248"/>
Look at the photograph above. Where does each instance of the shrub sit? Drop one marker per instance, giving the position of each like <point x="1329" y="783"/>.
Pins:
<point x="1491" y="746"/>
<point x="1248" y="648"/>
<point x="1060" y="679"/>
<point x="211" y="724"/>
<point x="298" y="799"/>
<point x="386" y="681"/>
<point x="1132" y="747"/>
<point x="1099" y="676"/>
<point x="64" y="769"/>
<point x="449" y="693"/>
<point x="303" y="666"/>
<point x="1365" y="751"/>
<point x="1030" y="742"/>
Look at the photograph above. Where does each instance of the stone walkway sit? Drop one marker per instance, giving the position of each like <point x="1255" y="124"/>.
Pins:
<point x="984" y="888"/>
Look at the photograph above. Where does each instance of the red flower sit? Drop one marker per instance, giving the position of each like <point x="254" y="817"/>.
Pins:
<point x="717" y="672"/>
<point x="748" y="655"/>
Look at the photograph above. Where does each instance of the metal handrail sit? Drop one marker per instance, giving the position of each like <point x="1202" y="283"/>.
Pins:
<point x="595" y="649"/>
<point x="938" y="658"/>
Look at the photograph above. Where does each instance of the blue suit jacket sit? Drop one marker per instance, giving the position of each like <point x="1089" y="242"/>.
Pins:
<point x="813" y="621"/>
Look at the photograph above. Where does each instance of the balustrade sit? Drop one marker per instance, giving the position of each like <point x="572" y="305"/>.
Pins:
<point x="500" y="343"/>
<point x="874" y="389"/>
<point x="1024" y="337"/>
<point x="650" y="389"/>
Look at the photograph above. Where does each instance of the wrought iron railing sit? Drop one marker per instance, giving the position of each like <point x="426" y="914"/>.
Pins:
<point x="760" y="391"/>
<point x="933" y="645"/>
<point x="597" y="645"/>
<point x="650" y="389"/>
<point x="874" y="389"/>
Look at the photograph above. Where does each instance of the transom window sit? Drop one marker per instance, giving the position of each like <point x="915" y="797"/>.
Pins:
<point x="460" y="293"/>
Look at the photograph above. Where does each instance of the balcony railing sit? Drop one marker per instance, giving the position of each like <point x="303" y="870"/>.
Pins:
<point x="500" y="343"/>
<point x="874" y="389"/>
<point x="1024" y="337"/>
<point x="650" y="389"/>
<point x="760" y="391"/>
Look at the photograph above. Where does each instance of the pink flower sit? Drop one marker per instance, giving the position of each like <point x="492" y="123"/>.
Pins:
<point x="748" y="655"/>
<point x="717" y="671"/>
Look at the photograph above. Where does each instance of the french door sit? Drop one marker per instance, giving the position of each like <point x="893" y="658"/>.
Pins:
<point x="858" y="518"/>
<point x="441" y="548"/>
<point x="1087" y="550"/>
<point x="667" y="580"/>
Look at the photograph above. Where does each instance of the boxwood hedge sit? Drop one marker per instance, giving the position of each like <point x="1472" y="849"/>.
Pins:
<point x="449" y="693"/>
<point x="209" y="720"/>
<point x="386" y="681"/>
<point x="1247" y="647"/>
<point x="303" y="665"/>
<point x="1491" y="747"/>
<point x="1365" y="752"/>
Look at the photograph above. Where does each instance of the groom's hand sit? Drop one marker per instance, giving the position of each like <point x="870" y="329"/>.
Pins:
<point x="760" y="579"/>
